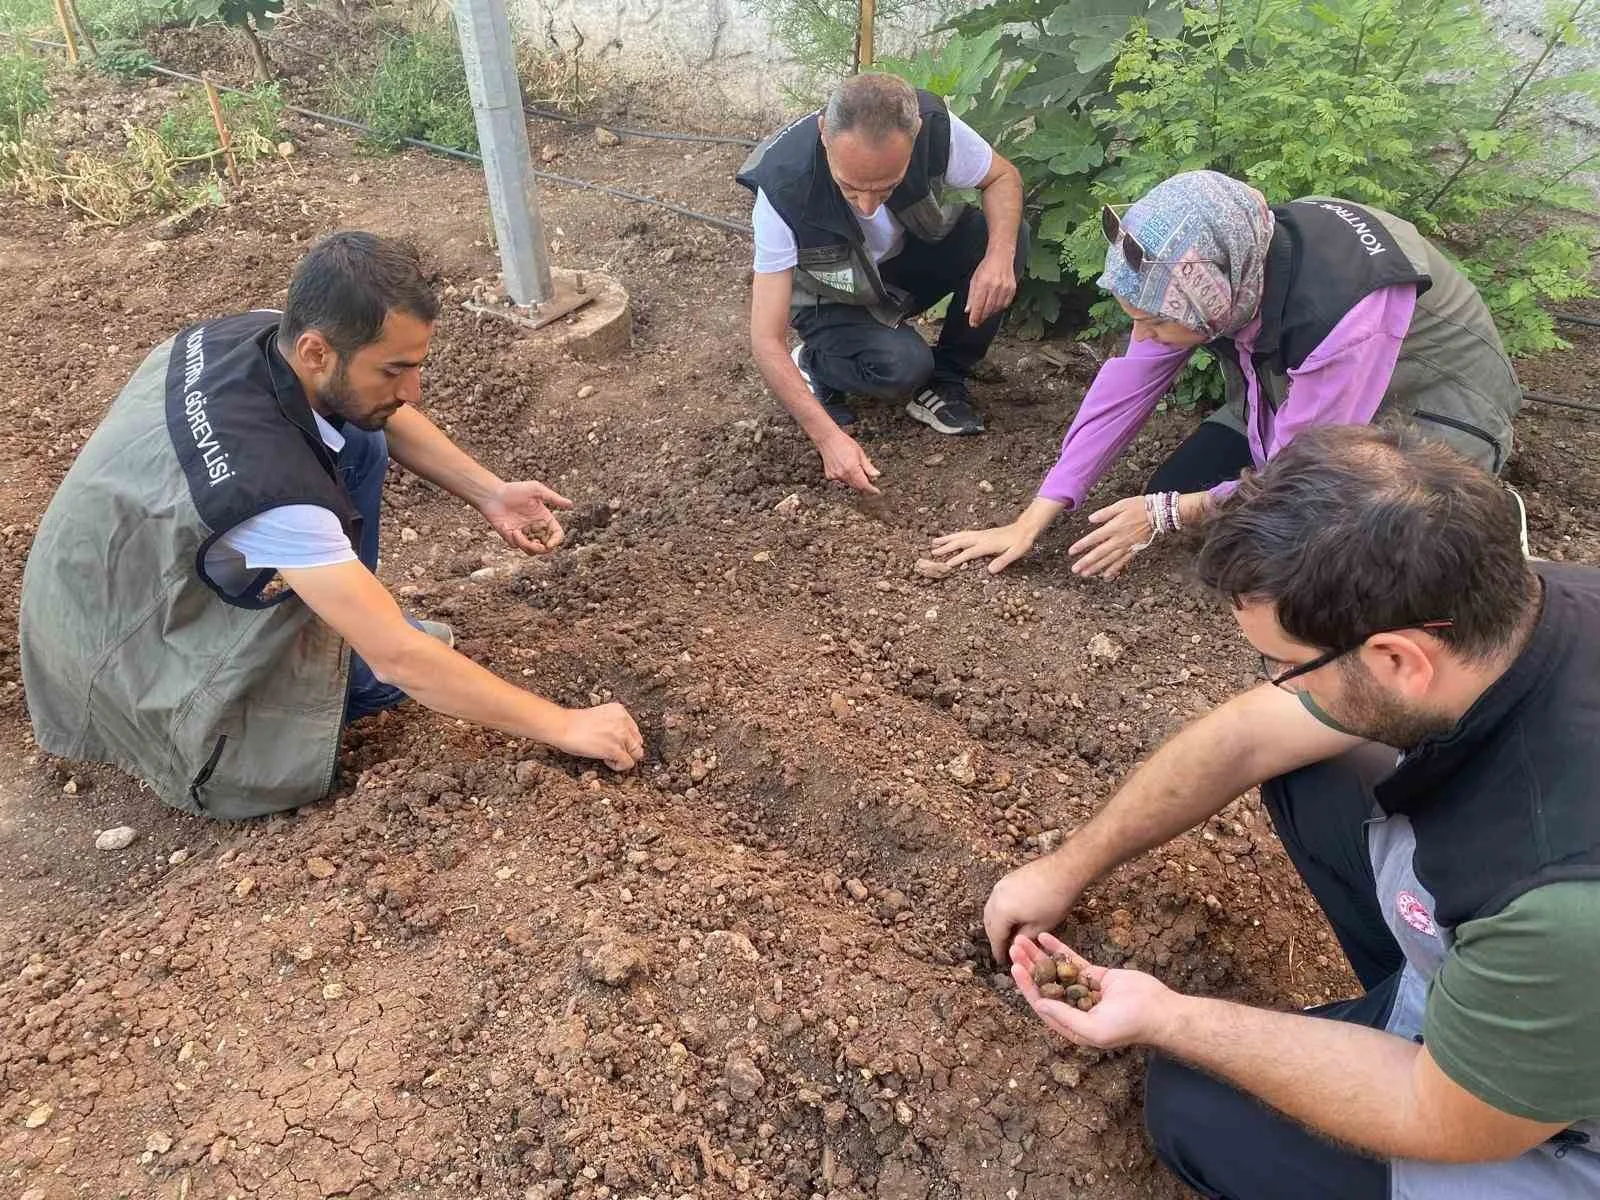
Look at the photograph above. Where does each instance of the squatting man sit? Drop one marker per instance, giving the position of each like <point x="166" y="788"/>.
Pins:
<point x="1425" y="743"/>
<point x="853" y="237"/>
<point x="200" y="605"/>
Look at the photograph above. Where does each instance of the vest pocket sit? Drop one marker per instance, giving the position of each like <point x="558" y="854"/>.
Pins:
<point x="203" y="776"/>
<point x="1468" y="428"/>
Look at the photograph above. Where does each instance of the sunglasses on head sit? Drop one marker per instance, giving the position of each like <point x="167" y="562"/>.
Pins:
<point x="1277" y="678"/>
<point x="1133" y="253"/>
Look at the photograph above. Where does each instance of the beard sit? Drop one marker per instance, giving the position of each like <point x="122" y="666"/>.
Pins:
<point x="1368" y="711"/>
<point x="340" y="399"/>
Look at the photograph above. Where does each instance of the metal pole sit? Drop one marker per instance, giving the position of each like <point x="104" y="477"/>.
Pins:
<point x="489" y="55"/>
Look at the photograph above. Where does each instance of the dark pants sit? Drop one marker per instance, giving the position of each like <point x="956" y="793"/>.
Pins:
<point x="363" y="463"/>
<point x="850" y="350"/>
<point x="1217" y="1139"/>
<point x="1212" y="454"/>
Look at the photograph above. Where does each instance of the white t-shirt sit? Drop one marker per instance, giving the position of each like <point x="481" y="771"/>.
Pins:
<point x="970" y="157"/>
<point x="291" y="535"/>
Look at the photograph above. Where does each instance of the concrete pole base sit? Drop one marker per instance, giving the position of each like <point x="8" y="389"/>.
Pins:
<point x="590" y="315"/>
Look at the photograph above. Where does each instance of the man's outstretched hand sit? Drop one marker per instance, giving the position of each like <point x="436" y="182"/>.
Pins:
<point x="844" y="461"/>
<point x="520" y="514"/>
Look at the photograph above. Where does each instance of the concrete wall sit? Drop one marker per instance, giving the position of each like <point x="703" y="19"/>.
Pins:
<point x="720" y="57"/>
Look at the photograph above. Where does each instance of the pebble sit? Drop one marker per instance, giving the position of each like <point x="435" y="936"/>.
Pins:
<point x="178" y="857"/>
<point x="119" y="838"/>
<point x="933" y="460"/>
<point x="933" y="568"/>
<point x="319" y="868"/>
<point x="960" y="769"/>
<point x="408" y="534"/>
<point x="789" y="505"/>
<point x="743" y="1078"/>
<point x="70" y="787"/>
<point x="244" y="887"/>
<point x="38" y="1116"/>
<point x="332" y="991"/>
<point x="1065" y="1073"/>
<point x="839" y="706"/>
<point x="286" y="149"/>
<point x="604" y="137"/>
<point x="985" y="486"/>
<point x="158" y="1142"/>
<point x="586" y="391"/>
<point x="857" y="889"/>
<point x="1103" y="648"/>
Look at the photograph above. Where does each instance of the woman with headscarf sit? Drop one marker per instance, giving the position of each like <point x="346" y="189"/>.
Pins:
<point x="1320" y="312"/>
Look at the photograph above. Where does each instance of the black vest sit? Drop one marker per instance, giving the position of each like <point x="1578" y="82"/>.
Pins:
<point x="791" y="169"/>
<point x="1507" y="800"/>
<point x="1324" y="259"/>
<point x="244" y="435"/>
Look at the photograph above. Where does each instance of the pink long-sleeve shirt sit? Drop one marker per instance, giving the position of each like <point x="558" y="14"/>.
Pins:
<point x="1341" y="382"/>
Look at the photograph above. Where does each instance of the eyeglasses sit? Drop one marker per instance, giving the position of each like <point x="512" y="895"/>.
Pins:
<point x="1133" y="253"/>
<point x="1322" y="660"/>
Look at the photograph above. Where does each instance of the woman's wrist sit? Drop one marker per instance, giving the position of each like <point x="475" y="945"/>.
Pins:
<point x="1196" y="508"/>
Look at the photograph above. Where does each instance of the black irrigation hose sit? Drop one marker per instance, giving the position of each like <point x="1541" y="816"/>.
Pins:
<point x="1575" y="319"/>
<point x="1559" y="401"/>
<point x="454" y="152"/>
<point x="546" y="114"/>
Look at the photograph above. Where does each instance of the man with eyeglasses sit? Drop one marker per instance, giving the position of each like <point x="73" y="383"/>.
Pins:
<point x="855" y="234"/>
<point x="1427" y="744"/>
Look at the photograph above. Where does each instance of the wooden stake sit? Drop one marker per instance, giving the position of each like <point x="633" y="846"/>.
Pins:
<point x="83" y="30"/>
<point x="869" y="12"/>
<point x="222" y="129"/>
<point x="66" y="32"/>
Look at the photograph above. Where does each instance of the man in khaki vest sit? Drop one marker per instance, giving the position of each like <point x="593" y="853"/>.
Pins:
<point x="200" y="605"/>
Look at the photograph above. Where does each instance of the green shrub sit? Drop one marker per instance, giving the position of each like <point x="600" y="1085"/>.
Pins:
<point x="186" y="130"/>
<point x="418" y="90"/>
<point x="22" y="94"/>
<point x="1412" y="107"/>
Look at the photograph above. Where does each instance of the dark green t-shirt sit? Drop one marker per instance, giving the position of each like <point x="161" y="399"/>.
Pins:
<point x="1514" y="1013"/>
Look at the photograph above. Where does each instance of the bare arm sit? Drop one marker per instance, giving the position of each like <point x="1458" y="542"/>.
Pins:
<point x="422" y="448"/>
<point x="1256" y="736"/>
<point x="352" y="600"/>
<point x="994" y="283"/>
<point x="843" y="459"/>
<point x="519" y="510"/>
<point x="1376" y="1091"/>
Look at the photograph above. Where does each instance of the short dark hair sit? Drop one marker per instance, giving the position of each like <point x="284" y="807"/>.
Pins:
<point x="873" y="106"/>
<point x="348" y="283"/>
<point x="1354" y="529"/>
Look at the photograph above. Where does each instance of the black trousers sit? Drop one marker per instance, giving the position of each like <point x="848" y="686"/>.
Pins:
<point x="1222" y="1142"/>
<point x="1212" y="454"/>
<point x="850" y="350"/>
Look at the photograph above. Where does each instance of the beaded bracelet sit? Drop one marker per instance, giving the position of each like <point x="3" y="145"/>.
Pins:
<point x="1164" y="511"/>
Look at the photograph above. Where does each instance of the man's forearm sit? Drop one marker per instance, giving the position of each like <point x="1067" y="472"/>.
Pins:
<point x="1256" y="736"/>
<point x="789" y="386"/>
<point x="439" y="678"/>
<point x="422" y="448"/>
<point x="1346" y="1081"/>
<point x="1002" y="210"/>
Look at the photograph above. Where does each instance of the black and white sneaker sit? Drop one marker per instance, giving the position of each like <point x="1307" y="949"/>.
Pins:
<point x="945" y="408"/>
<point x="832" y="400"/>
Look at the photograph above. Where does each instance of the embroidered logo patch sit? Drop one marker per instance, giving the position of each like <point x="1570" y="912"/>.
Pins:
<point x="843" y="280"/>
<point x="1414" y="914"/>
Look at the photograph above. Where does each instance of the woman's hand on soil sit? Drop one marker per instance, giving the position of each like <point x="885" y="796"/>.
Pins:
<point x="1028" y="901"/>
<point x="520" y="514"/>
<point x="1004" y="543"/>
<point x="844" y="461"/>
<point x="1121" y="531"/>
<point x="1131" y="1010"/>
<point x="605" y="732"/>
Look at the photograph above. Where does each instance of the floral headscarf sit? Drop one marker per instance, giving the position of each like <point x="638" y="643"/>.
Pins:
<point x="1205" y="238"/>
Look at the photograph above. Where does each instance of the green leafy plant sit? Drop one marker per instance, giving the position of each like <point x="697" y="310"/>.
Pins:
<point x="188" y="134"/>
<point x="123" y="59"/>
<point x="417" y="90"/>
<point x="250" y="17"/>
<point x="22" y="94"/>
<point x="1410" y="106"/>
